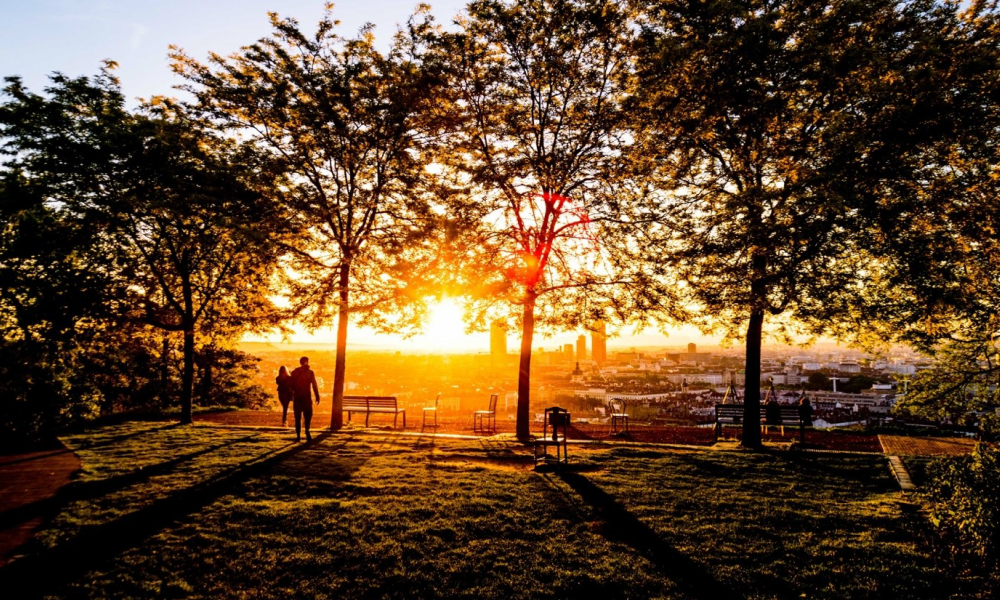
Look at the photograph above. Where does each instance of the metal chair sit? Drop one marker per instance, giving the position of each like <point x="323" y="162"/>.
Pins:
<point x="486" y="418"/>
<point x="431" y="409"/>
<point x="558" y="419"/>
<point x="616" y="410"/>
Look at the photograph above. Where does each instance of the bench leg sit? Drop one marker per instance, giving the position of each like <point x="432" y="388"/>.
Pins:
<point x="404" y="419"/>
<point x="367" y="416"/>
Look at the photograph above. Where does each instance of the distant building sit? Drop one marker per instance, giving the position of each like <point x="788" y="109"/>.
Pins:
<point x="581" y="348"/>
<point x="692" y="348"/>
<point x="498" y="342"/>
<point x="902" y="369"/>
<point x="878" y="403"/>
<point x="568" y="352"/>
<point x="599" y="343"/>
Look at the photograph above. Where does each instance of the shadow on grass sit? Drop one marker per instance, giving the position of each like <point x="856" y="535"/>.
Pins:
<point x="88" y="490"/>
<point x="126" y="436"/>
<point x="692" y="579"/>
<point x="34" y="576"/>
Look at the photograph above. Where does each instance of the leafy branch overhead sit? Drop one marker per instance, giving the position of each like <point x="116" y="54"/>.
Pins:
<point x="353" y="132"/>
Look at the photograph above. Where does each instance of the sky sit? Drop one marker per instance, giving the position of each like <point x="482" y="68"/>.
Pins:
<point x="39" y="37"/>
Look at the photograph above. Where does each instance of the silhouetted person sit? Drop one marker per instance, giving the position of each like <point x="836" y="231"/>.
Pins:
<point x="303" y="383"/>
<point x="772" y="412"/>
<point x="805" y="412"/>
<point x="285" y="392"/>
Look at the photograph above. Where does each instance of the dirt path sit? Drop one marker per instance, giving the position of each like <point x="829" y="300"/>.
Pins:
<point x="28" y="484"/>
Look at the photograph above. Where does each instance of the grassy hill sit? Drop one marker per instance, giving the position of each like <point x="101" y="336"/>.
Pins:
<point x="210" y="512"/>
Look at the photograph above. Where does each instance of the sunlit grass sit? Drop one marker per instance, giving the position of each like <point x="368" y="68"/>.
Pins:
<point x="387" y="516"/>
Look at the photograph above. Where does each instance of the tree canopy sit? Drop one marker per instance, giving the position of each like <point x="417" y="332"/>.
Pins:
<point x="157" y="220"/>
<point x="349" y="127"/>
<point x="542" y="138"/>
<point x="783" y="125"/>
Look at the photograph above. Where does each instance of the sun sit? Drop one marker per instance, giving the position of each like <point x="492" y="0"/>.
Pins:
<point x="445" y="329"/>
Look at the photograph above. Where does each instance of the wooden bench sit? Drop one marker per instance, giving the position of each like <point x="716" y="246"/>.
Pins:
<point x="373" y="404"/>
<point x="732" y="414"/>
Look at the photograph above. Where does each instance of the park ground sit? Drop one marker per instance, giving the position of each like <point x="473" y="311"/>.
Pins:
<point x="217" y="510"/>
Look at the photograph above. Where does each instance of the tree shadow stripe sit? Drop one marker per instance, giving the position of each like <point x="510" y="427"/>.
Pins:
<point x="34" y="576"/>
<point x="691" y="578"/>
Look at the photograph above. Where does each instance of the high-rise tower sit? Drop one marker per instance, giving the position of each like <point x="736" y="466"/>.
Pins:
<point x="581" y="348"/>
<point x="599" y="343"/>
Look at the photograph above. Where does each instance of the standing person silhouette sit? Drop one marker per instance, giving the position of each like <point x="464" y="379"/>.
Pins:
<point x="285" y="392"/>
<point x="303" y="382"/>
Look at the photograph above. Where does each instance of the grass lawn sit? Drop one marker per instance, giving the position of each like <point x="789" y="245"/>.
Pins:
<point x="164" y="511"/>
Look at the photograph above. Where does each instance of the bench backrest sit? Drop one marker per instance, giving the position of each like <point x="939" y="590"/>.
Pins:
<point x="367" y="402"/>
<point x="382" y="402"/>
<point x="734" y="412"/>
<point x="728" y="411"/>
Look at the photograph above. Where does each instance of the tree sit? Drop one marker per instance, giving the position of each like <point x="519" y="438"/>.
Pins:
<point x="348" y="126"/>
<point x="199" y="235"/>
<point x="782" y="124"/>
<point x="941" y="282"/>
<point x="818" y="381"/>
<point x="181" y="212"/>
<point x="51" y="292"/>
<point x="542" y="139"/>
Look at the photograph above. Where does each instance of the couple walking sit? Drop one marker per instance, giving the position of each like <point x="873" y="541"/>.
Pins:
<point x="297" y="388"/>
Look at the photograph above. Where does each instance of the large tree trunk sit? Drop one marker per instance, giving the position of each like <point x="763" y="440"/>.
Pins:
<point x="165" y="372"/>
<point x="751" y="393"/>
<point x="337" y="416"/>
<point x="206" y="380"/>
<point x="187" y="377"/>
<point x="524" y="370"/>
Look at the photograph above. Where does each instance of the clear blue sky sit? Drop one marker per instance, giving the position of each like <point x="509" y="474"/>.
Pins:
<point x="38" y="37"/>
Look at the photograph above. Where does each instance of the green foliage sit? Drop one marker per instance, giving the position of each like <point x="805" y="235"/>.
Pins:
<point x="818" y="381"/>
<point x="57" y="283"/>
<point x="542" y="132"/>
<point x="228" y="378"/>
<point x="558" y="198"/>
<point x="855" y="384"/>
<point x="965" y="496"/>
<point x="117" y="222"/>
<point x="348" y="126"/>
<point x="794" y="135"/>
<point x="961" y="383"/>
